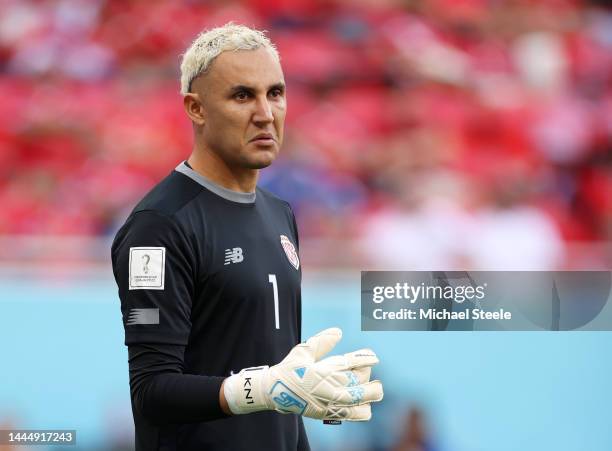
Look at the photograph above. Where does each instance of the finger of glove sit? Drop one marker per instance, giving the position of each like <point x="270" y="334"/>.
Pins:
<point x="351" y="378"/>
<point x="363" y="374"/>
<point x="354" y="413"/>
<point x="361" y="357"/>
<point x="317" y="346"/>
<point x="332" y="364"/>
<point x="359" y="394"/>
<point x="348" y="361"/>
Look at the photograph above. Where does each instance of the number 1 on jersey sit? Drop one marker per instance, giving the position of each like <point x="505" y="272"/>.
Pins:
<point x="272" y="280"/>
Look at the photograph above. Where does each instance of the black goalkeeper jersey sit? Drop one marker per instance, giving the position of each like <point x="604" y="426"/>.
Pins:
<point x="209" y="281"/>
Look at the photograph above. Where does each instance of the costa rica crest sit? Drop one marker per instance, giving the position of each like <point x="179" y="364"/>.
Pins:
<point x="290" y="251"/>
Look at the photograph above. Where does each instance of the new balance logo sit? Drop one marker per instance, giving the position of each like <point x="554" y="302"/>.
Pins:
<point x="233" y="255"/>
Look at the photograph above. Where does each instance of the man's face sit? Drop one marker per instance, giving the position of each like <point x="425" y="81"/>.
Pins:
<point x="243" y="98"/>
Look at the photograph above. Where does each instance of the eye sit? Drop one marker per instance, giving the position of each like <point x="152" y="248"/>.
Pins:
<point x="276" y="93"/>
<point x="241" y="95"/>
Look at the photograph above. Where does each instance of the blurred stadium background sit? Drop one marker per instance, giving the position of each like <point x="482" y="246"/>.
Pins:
<point x="442" y="134"/>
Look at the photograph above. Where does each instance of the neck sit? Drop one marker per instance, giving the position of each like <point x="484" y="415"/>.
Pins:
<point x="210" y="165"/>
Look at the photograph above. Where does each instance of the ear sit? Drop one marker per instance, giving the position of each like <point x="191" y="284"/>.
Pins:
<point x="194" y="108"/>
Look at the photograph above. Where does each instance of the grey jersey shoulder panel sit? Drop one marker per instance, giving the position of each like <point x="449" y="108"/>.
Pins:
<point x="234" y="196"/>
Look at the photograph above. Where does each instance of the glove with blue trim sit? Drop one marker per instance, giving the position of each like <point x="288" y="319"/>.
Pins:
<point x="335" y="388"/>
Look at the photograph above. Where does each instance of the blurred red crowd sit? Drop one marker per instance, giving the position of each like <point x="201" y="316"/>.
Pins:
<point x="395" y="107"/>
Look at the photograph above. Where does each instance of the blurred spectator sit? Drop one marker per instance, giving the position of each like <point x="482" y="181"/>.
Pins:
<point x="416" y="436"/>
<point x="407" y="122"/>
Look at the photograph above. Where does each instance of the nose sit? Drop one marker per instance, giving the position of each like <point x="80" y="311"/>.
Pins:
<point x="263" y="112"/>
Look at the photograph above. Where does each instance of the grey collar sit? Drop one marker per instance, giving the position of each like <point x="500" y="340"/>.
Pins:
<point x="234" y="196"/>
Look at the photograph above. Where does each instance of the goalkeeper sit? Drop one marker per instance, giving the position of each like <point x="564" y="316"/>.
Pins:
<point x="208" y="270"/>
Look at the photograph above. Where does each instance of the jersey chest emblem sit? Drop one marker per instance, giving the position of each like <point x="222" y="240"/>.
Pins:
<point x="290" y="251"/>
<point x="233" y="255"/>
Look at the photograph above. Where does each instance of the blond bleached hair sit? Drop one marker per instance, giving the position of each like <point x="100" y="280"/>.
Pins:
<point x="211" y="43"/>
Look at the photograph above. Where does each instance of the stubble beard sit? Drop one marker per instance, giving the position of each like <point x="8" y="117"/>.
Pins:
<point x="257" y="161"/>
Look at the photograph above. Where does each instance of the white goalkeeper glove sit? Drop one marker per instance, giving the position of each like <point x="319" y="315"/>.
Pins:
<point x="335" y="388"/>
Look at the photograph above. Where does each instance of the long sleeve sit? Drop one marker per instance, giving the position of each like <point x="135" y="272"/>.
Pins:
<point x="163" y="394"/>
<point x="303" y="444"/>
